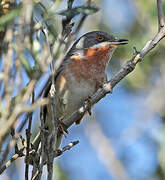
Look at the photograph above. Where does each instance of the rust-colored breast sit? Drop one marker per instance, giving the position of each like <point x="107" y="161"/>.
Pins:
<point x="92" y="66"/>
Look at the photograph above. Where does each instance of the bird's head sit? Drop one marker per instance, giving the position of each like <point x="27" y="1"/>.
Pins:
<point x="95" y="43"/>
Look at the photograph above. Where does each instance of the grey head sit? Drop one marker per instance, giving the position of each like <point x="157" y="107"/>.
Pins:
<point x="95" y="39"/>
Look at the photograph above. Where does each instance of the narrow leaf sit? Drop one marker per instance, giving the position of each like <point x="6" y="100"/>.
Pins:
<point x="70" y="13"/>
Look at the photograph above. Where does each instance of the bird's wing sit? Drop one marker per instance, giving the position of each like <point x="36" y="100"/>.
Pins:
<point x="65" y="61"/>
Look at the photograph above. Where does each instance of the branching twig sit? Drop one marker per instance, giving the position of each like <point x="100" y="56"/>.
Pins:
<point x="13" y="158"/>
<point x="52" y="137"/>
<point x="28" y="136"/>
<point x="17" y="111"/>
<point x="127" y="68"/>
<point x="37" y="169"/>
<point x="9" y="147"/>
<point x="20" y="153"/>
<point x="66" y="148"/>
<point x="84" y="16"/>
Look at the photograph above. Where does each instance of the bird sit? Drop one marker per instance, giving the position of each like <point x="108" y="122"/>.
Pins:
<point x="81" y="73"/>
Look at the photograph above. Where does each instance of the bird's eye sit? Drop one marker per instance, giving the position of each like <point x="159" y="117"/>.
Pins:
<point x="100" y="37"/>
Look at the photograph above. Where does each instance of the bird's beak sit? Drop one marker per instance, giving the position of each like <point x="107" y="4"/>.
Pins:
<point x="118" y="42"/>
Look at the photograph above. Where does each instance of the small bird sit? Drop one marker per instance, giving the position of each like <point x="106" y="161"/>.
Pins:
<point x="82" y="72"/>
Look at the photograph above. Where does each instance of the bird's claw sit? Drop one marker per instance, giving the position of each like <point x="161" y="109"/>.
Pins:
<point x="88" y="101"/>
<point x="62" y="127"/>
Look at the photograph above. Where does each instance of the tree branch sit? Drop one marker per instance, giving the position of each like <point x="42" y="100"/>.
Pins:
<point x="28" y="136"/>
<point x="38" y="171"/>
<point x="17" y="155"/>
<point x="127" y="68"/>
<point x="160" y="14"/>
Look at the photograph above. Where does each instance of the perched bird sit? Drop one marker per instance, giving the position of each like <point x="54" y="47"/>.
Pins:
<point x="82" y="72"/>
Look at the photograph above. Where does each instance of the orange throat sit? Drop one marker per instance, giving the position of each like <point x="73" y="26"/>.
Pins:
<point x="92" y="65"/>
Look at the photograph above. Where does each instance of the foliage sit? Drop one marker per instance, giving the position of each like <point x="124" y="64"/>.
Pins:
<point x="34" y="34"/>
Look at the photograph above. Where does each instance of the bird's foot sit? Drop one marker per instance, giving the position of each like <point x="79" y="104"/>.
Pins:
<point x="88" y="101"/>
<point x="62" y="127"/>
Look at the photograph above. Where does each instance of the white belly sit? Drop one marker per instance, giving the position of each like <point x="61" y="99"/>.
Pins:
<point x="72" y="97"/>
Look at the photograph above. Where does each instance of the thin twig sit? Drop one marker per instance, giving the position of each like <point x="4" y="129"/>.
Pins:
<point x="8" y="148"/>
<point x="53" y="135"/>
<point x="52" y="138"/>
<point x="59" y="152"/>
<point x="20" y="153"/>
<point x="8" y="86"/>
<point x="160" y="14"/>
<point x="37" y="171"/>
<point x="70" y="3"/>
<point x="65" y="148"/>
<point x="19" y="110"/>
<point x="13" y="158"/>
<point x="16" y="135"/>
<point x="28" y="136"/>
<point x="72" y="37"/>
<point x="81" y="22"/>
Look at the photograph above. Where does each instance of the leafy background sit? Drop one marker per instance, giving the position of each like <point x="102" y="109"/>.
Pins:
<point x="131" y="120"/>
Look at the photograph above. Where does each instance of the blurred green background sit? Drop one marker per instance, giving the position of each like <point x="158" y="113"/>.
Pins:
<point x="124" y="138"/>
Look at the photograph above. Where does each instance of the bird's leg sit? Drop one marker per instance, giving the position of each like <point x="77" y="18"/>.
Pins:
<point x="62" y="126"/>
<point x="86" y="102"/>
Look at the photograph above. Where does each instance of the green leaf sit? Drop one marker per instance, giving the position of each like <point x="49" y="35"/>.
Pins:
<point x="10" y="16"/>
<point x="70" y="13"/>
<point x="26" y="65"/>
